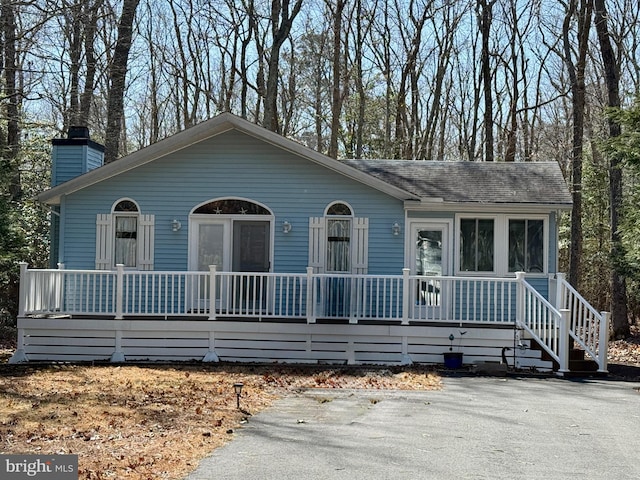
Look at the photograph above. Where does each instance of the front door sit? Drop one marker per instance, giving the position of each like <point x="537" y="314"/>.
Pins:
<point x="232" y="245"/>
<point x="429" y="252"/>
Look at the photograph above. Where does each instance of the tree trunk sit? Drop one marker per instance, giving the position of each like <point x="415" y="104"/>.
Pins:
<point x="281" y="23"/>
<point x="485" y="18"/>
<point x="619" y="314"/>
<point x="336" y="92"/>
<point x="117" y="75"/>
<point x="576" y="77"/>
<point x="9" y="159"/>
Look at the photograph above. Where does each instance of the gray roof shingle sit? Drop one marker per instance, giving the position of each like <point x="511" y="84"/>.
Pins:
<point x="473" y="182"/>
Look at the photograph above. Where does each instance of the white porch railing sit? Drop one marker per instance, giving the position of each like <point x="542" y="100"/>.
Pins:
<point x="588" y="327"/>
<point x="404" y="298"/>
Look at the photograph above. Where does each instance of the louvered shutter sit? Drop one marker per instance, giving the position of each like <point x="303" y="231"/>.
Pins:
<point x="360" y="248"/>
<point x="104" y="241"/>
<point x="316" y="244"/>
<point x="146" y="238"/>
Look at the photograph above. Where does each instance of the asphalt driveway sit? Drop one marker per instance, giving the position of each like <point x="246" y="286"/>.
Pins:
<point x="475" y="428"/>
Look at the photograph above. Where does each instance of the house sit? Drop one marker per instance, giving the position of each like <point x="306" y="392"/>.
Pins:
<point x="229" y="242"/>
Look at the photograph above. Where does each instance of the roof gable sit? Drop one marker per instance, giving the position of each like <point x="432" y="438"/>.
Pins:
<point x="206" y="130"/>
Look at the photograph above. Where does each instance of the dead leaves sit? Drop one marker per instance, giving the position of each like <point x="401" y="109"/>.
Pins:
<point x="153" y="422"/>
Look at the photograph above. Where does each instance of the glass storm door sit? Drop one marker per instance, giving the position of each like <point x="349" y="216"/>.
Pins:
<point x="429" y="246"/>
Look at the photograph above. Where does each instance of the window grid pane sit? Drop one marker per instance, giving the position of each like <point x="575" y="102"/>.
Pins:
<point x="338" y="245"/>
<point x="126" y="241"/>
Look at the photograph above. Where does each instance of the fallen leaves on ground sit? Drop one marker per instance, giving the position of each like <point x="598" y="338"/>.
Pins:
<point x="155" y="422"/>
<point x="626" y="351"/>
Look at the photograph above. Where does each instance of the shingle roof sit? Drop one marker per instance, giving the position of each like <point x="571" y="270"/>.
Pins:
<point x="473" y="182"/>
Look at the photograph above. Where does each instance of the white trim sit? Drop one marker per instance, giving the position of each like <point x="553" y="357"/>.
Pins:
<point x="480" y="208"/>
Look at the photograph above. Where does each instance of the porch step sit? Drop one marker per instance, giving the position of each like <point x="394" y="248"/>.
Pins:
<point x="579" y="366"/>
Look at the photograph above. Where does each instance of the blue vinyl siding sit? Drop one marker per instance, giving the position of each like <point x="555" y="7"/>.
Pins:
<point x="234" y="165"/>
<point x="72" y="165"/>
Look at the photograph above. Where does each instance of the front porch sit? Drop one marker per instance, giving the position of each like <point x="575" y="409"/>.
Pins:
<point x="120" y="315"/>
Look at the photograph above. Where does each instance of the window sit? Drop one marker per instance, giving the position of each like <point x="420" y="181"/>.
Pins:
<point x="125" y="237"/>
<point x="126" y="233"/>
<point x="338" y="238"/>
<point x="526" y="245"/>
<point x="339" y="241"/>
<point x="477" y="244"/>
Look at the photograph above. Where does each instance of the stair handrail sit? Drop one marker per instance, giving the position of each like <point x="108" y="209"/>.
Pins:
<point x="588" y="327"/>
<point x="548" y="325"/>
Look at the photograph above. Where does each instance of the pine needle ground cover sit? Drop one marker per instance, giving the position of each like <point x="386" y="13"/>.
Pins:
<point x="155" y="422"/>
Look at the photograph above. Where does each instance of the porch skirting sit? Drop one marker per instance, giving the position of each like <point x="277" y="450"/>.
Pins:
<point x="140" y="340"/>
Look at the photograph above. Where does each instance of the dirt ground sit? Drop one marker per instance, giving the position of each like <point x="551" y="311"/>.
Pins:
<point x="149" y="422"/>
<point x="155" y="422"/>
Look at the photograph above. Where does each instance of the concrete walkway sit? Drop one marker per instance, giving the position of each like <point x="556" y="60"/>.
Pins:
<point x="475" y="428"/>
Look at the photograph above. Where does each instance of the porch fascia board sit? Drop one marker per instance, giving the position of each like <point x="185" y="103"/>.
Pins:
<point x="497" y="208"/>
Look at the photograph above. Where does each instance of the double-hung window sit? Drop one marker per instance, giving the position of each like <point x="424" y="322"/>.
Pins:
<point x="526" y="245"/>
<point x="125" y="237"/>
<point x="477" y="244"/>
<point x="126" y="233"/>
<point x="339" y="238"/>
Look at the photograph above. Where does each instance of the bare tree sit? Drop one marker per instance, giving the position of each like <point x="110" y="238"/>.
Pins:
<point x="582" y="11"/>
<point x="612" y="77"/>
<point x="281" y="21"/>
<point x="117" y="77"/>
<point x="485" y="17"/>
<point x="11" y="98"/>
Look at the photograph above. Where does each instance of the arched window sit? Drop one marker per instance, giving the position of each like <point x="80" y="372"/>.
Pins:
<point x="338" y="241"/>
<point x="232" y="206"/>
<point x="339" y="224"/>
<point x="125" y="237"/>
<point x="125" y="218"/>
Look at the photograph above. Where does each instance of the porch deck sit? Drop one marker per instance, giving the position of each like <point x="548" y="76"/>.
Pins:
<point x="118" y="315"/>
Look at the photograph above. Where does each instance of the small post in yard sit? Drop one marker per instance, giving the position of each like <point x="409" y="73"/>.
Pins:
<point x="213" y="269"/>
<point x="119" y="290"/>
<point x="563" y="353"/>
<point x="603" y="342"/>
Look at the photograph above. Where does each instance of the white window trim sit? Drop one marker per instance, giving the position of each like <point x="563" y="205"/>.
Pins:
<point x="500" y="243"/>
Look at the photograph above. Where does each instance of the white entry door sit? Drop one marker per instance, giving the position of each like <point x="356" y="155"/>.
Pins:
<point x="430" y="257"/>
<point x="232" y="245"/>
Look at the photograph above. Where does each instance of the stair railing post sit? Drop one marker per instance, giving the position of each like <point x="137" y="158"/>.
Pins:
<point x="561" y="278"/>
<point x="520" y="303"/>
<point x="212" y="291"/>
<point x="603" y="342"/>
<point x="563" y="341"/>
<point x="119" y="291"/>
<point x="405" y="296"/>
